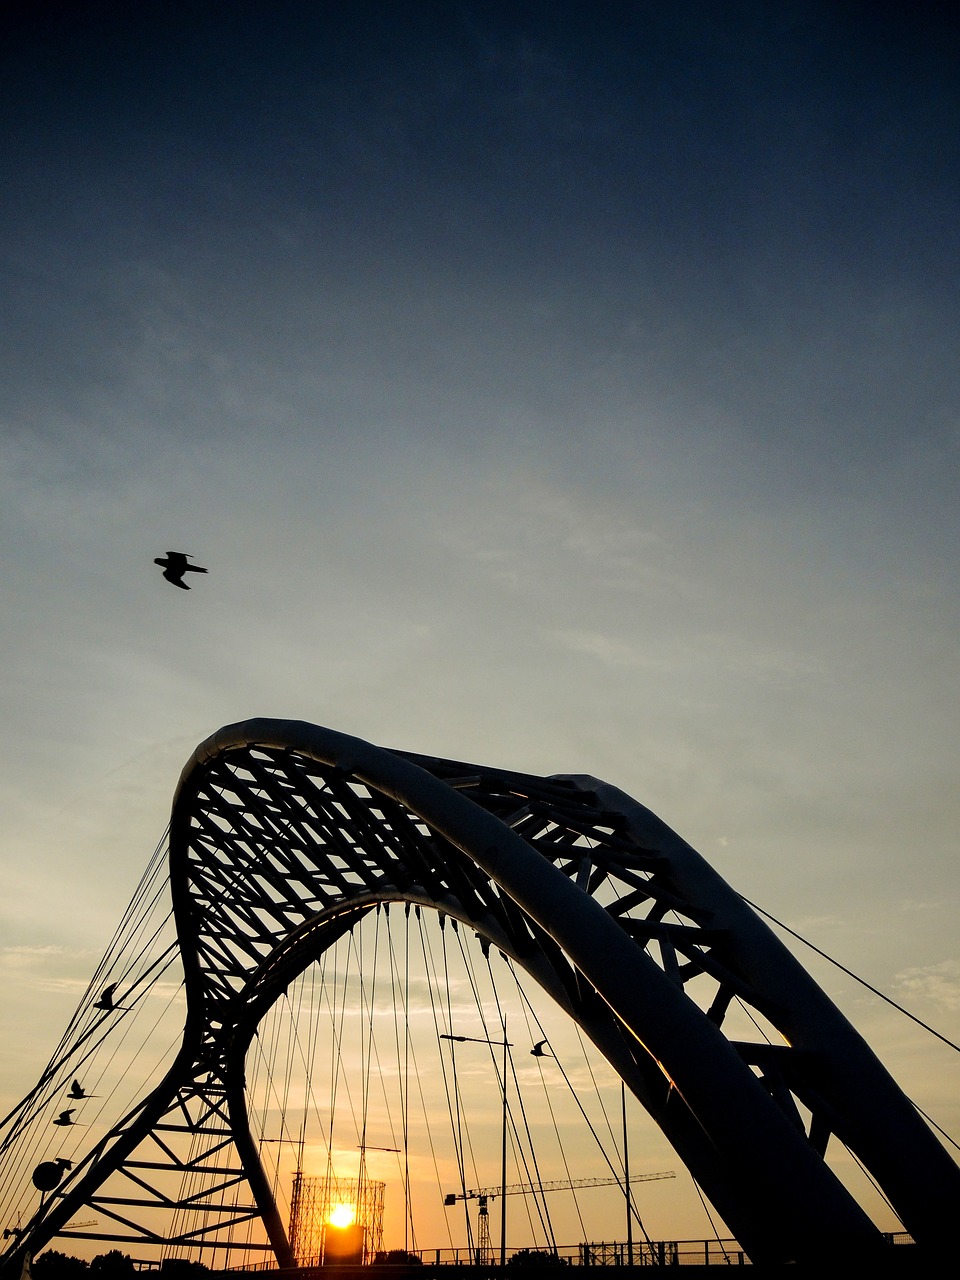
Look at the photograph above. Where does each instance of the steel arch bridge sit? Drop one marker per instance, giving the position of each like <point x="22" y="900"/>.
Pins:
<point x="283" y="835"/>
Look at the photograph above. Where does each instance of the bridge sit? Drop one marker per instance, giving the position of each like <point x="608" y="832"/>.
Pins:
<point x="284" y="923"/>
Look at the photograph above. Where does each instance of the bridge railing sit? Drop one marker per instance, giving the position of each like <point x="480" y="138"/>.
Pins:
<point x="584" y="1255"/>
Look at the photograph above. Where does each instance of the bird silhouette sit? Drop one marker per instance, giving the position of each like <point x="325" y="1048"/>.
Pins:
<point x="77" y="1091"/>
<point x="65" y="1117"/>
<point x="106" y="998"/>
<point x="538" y="1050"/>
<point x="175" y="566"/>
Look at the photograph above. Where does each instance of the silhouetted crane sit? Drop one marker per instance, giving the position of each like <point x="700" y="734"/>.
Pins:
<point x="534" y="1188"/>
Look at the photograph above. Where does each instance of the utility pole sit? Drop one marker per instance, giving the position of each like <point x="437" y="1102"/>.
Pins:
<point x="626" y="1174"/>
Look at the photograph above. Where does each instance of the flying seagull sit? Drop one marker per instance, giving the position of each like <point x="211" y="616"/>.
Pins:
<point x="77" y="1091"/>
<point x="65" y="1117"/>
<point x="175" y="566"/>
<point x="106" y="998"/>
<point x="538" y="1050"/>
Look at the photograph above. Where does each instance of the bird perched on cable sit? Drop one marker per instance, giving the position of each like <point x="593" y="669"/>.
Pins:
<point x="175" y="566"/>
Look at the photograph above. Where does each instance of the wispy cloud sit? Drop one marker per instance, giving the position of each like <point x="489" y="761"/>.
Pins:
<point x="937" y="983"/>
<point x="606" y="649"/>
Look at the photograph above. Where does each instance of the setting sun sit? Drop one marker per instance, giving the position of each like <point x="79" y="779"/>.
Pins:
<point x="342" y="1215"/>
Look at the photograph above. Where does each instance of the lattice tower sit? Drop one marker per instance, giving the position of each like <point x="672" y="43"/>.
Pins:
<point x="314" y="1200"/>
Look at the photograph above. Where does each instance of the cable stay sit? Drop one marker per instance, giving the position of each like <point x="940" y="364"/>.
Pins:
<point x="856" y="977"/>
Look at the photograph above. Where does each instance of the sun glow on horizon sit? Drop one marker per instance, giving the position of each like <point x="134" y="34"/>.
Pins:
<point x="342" y="1215"/>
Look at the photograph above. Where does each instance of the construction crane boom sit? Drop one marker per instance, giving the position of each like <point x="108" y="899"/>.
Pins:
<point x="532" y="1188"/>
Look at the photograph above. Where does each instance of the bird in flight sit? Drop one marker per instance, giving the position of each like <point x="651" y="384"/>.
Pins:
<point x="106" y="998"/>
<point x="77" y="1091"/>
<point x="175" y="566"/>
<point x="65" y="1118"/>
<point x="538" y="1051"/>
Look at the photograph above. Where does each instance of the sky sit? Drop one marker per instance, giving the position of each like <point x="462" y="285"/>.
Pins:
<point x="565" y="387"/>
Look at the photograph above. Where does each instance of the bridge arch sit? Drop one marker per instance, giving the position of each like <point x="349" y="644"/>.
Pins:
<point x="283" y="834"/>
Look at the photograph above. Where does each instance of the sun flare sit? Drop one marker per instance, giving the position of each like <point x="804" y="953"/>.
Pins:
<point x="342" y="1215"/>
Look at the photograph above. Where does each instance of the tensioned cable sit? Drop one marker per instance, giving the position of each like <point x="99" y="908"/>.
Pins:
<point x="617" y="1173"/>
<point x="61" y="1054"/>
<point x="873" y="1182"/>
<point x="459" y="1142"/>
<point x="138" y="1055"/>
<point x="307" y="1059"/>
<point x="27" y="1151"/>
<point x="294" y="1049"/>
<point x="336" y="1050"/>
<point x="397" y="1002"/>
<point x="154" y="865"/>
<point x="540" y="1199"/>
<point x="710" y="1219"/>
<point x="313" y="1040"/>
<point x="375" y="1059"/>
<point x="370" y="1049"/>
<point x="519" y="1152"/>
<point x="257" y="1116"/>
<point x="414" y="1063"/>
<point x="490" y="1043"/>
<point x="73" y="1057"/>
<point x="596" y="1088"/>
<point x="331" y="996"/>
<point x="527" y="1012"/>
<point x="453" y="1104"/>
<point x="550" y="1108"/>
<point x="943" y="1133"/>
<point x="874" y="990"/>
<point x="408" y="1206"/>
<point x="850" y="974"/>
<point x="746" y="1009"/>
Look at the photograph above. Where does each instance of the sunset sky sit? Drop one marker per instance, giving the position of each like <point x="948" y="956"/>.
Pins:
<point x="567" y="387"/>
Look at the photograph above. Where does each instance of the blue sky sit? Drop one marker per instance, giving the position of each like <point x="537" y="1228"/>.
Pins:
<point x="567" y="387"/>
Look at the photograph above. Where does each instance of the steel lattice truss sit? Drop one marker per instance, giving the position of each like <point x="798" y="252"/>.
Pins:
<point x="283" y="835"/>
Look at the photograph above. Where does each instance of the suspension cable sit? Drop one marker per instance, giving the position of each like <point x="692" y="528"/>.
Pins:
<point x="525" y="1009"/>
<point x="850" y="974"/>
<point x="539" y="1199"/>
<point x="453" y="1104"/>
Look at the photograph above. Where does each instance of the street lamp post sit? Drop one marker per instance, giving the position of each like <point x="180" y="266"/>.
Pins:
<point x="505" y="1045"/>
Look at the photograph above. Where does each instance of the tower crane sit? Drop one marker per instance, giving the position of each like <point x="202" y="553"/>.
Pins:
<point x="566" y="1184"/>
<point x="485" y="1194"/>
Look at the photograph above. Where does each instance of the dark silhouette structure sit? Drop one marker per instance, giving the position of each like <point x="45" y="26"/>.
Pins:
<point x="284" y="835"/>
<point x="175" y="566"/>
